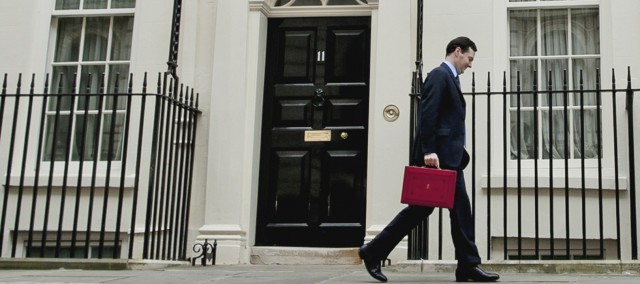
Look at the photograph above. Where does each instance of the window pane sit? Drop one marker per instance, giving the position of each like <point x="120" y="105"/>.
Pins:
<point x="585" y="31"/>
<point x="80" y="139"/>
<point x="526" y="68"/>
<point x="62" y="83"/>
<point x="123" y="3"/>
<point x="527" y="135"/>
<point x="50" y="252"/>
<point x="119" y="73"/>
<point x="556" y="146"/>
<point x="523" y="32"/>
<point x="67" y="4"/>
<point x="107" y="251"/>
<point x="590" y="134"/>
<point x="554" y="32"/>
<point x="97" y="73"/>
<point x="60" y="139"/>
<point x="122" y="34"/>
<point x="589" y="68"/>
<point x="97" y="35"/>
<point x="557" y="67"/>
<point x="116" y="147"/>
<point x="95" y="4"/>
<point x="68" y="41"/>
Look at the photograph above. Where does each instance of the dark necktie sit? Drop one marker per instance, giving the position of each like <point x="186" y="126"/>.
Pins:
<point x="458" y="82"/>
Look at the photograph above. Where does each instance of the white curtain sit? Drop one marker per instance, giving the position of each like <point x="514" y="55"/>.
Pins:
<point x="96" y="39"/>
<point x="94" y="53"/>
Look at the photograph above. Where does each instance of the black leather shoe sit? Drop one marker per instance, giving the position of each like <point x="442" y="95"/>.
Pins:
<point x="475" y="274"/>
<point x="371" y="264"/>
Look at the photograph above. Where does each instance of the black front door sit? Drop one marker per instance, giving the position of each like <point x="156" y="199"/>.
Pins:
<point x="314" y="133"/>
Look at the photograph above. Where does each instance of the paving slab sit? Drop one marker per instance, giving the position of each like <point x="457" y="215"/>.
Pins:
<point x="283" y="274"/>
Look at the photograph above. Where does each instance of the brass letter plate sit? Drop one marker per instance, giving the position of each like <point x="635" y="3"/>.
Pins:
<point x="317" y="136"/>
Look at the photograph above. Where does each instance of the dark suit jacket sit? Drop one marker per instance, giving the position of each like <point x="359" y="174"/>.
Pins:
<point x="441" y="128"/>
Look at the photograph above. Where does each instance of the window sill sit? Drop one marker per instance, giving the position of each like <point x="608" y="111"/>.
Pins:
<point x="72" y="181"/>
<point x="575" y="182"/>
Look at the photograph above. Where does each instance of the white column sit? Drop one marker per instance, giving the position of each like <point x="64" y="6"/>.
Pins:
<point x="391" y="63"/>
<point x="225" y="193"/>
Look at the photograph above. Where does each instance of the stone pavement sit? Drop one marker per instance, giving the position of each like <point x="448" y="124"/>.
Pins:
<point x="285" y="274"/>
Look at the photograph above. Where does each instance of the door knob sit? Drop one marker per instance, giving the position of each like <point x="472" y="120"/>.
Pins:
<point x="344" y="135"/>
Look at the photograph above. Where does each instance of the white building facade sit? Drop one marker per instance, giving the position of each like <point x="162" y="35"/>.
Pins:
<point x="295" y="146"/>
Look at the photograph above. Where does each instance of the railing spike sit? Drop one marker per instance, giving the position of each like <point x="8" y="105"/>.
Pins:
<point x="191" y="102"/>
<point x="181" y="91"/>
<point x="171" y="87"/>
<point x="613" y="78"/>
<point x="88" y="86"/>
<point x="197" y="100"/>
<point x="629" y="77"/>
<point x="73" y="84"/>
<point x="46" y="84"/>
<point x="4" y="84"/>
<point x="489" y="80"/>
<point x="130" y="88"/>
<point x="473" y="81"/>
<point x="504" y="79"/>
<point x="102" y="83"/>
<point x="159" y="84"/>
<point x="60" y="79"/>
<point x="19" y="86"/>
<point x="33" y="84"/>
<point x="116" y="85"/>
<point x="144" y="83"/>
<point x="629" y="90"/>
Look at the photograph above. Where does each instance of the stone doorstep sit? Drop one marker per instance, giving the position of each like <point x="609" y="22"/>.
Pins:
<point x="551" y="267"/>
<point x="304" y="255"/>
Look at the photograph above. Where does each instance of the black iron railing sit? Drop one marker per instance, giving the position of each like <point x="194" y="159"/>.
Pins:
<point x="569" y="186"/>
<point x="77" y="163"/>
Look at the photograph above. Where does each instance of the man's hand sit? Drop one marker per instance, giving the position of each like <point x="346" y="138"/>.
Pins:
<point x="431" y="160"/>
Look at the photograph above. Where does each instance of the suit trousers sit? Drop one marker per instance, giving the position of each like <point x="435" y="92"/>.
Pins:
<point x="462" y="228"/>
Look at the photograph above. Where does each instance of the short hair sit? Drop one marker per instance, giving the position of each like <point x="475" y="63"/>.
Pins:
<point x="463" y="43"/>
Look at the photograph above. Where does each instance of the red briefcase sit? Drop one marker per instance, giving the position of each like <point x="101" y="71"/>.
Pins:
<point x="428" y="187"/>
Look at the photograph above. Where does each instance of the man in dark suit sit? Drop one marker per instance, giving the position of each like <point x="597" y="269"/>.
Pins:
<point x="440" y="143"/>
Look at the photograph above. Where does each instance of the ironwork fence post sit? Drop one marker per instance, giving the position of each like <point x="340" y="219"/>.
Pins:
<point x="632" y="170"/>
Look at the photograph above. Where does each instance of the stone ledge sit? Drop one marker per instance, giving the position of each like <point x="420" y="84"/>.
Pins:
<point x="551" y="267"/>
<point x="85" y="264"/>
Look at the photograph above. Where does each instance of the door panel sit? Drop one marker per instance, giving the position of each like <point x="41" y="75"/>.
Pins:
<point x="347" y="63"/>
<point x="313" y="192"/>
<point x="346" y="112"/>
<point x="289" y="203"/>
<point x="297" y="65"/>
